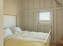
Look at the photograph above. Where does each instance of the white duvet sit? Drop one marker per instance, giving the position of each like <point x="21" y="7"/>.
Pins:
<point x="30" y="37"/>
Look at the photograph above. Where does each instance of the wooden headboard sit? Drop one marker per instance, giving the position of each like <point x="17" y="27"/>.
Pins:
<point x="9" y="21"/>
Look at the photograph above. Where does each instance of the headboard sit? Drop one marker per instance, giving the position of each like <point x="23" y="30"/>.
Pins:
<point x="9" y="21"/>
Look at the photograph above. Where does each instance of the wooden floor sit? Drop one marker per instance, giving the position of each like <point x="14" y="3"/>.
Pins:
<point x="56" y="45"/>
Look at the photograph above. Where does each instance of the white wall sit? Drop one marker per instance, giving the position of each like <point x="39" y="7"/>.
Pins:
<point x="59" y="23"/>
<point x="13" y="7"/>
<point x="31" y="8"/>
<point x="1" y="25"/>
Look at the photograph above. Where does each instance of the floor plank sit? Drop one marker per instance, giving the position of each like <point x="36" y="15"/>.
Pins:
<point x="56" y="44"/>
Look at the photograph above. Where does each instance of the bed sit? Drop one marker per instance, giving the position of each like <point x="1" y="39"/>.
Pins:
<point x="24" y="42"/>
<point x="26" y="38"/>
<point x="18" y="37"/>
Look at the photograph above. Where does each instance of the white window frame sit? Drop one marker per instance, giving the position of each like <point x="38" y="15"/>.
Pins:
<point x="45" y="21"/>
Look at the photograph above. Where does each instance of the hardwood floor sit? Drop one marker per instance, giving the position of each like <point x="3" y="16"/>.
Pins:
<point x="53" y="44"/>
<point x="56" y="45"/>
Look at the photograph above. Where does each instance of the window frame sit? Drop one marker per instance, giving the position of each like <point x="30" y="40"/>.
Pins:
<point x="44" y="21"/>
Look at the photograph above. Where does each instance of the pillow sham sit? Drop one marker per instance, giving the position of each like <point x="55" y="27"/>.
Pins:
<point x="7" y="32"/>
<point x="15" y="30"/>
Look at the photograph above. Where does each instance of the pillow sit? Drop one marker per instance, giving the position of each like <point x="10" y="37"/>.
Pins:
<point x="7" y="32"/>
<point x="15" y="30"/>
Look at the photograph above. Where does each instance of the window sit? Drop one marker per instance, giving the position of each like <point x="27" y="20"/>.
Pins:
<point x="44" y="16"/>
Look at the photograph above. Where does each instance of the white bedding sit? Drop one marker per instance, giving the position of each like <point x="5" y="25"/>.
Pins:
<point x="28" y="38"/>
<point x="31" y="36"/>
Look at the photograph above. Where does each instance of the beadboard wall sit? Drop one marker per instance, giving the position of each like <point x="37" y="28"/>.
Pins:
<point x="13" y="7"/>
<point x="1" y="25"/>
<point x="59" y="13"/>
<point x="31" y="9"/>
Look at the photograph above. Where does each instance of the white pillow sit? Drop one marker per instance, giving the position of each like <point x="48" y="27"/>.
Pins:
<point x="7" y="32"/>
<point x="15" y="29"/>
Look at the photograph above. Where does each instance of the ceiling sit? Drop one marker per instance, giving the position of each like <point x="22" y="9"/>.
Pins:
<point x="60" y="1"/>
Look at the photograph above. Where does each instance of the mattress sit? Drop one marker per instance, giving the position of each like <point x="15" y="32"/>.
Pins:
<point x="28" y="39"/>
